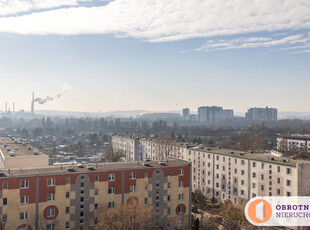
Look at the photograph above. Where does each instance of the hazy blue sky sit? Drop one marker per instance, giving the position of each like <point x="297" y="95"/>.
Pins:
<point x="155" y="54"/>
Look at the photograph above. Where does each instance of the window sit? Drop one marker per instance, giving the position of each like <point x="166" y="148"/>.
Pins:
<point x="168" y="198"/>
<point x="51" y="197"/>
<point x="242" y="172"/>
<point x="181" y="172"/>
<point x="288" y="171"/>
<point x="51" y="182"/>
<point x="242" y="182"/>
<point x="24" y="200"/>
<point x="82" y="199"/>
<point x="96" y="192"/>
<point x="5" y="201"/>
<point x="262" y="187"/>
<point x="67" y="210"/>
<point x="111" y="177"/>
<point x="67" y="195"/>
<point x="24" y="184"/>
<point x="146" y="174"/>
<point x="82" y="185"/>
<point x="133" y="175"/>
<point x="254" y="174"/>
<point x="97" y="178"/>
<point x="242" y="192"/>
<point x="253" y="195"/>
<point x="5" y="185"/>
<point x="279" y="169"/>
<point x="4" y="218"/>
<point x="278" y="191"/>
<point x="96" y="206"/>
<point x="132" y="189"/>
<point x="262" y="165"/>
<point x="242" y="162"/>
<point x="111" y="191"/>
<point x="278" y="180"/>
<point x="253" y="185"/>
<point x="50" y="227"/>
<point x="50" y="212"/>
<point x="181" y="184"/>
<point x="82" y="177"/>
<point x="67" y="225"/>
<point x="111" y="204"/>
<point x="254" y="164"/>
<point x="288" y="183"/>
<point x="169" y="172"/>
<point x="181" y="197"/>
<point x="67" y="180"/>
<point x="23" y="215"/>
<point x="82" y="214"/>
<point x="288" y="193"/>
<point x="168" y="185"/>
<point x="180" y="209"/>
<point x="262" y="176"/>
<point x="145" y="200"/>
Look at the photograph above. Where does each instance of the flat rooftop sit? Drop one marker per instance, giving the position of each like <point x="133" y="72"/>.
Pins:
<point x="255" y="156"/>
<point x="299" y="137"/>
<point x="97" y="167"/>
<point x="11" y="144"/>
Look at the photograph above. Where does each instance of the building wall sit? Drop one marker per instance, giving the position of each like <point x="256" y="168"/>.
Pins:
<point x="290" y="144"/>
<point x="231" y="176"/>
<point x="129" y="144"/>
<point x="151" y="183"/>
<point x="26" y="161"/>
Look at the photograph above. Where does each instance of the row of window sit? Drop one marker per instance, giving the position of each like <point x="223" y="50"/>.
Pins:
<point x="111" y="177"/>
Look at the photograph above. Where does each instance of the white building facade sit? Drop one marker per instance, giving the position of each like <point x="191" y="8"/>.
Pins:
<point x="233" y="175"/>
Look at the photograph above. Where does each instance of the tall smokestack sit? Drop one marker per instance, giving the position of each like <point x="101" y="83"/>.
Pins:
<point x="6" y="107"/>
<point x="32" y="103"/>
<point x="13" y="107"/>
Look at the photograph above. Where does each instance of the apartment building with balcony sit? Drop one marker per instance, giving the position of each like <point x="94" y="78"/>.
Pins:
<point x="72" y="198"/>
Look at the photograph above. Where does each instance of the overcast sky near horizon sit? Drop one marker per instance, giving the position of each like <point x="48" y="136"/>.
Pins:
<point x="155" y="54"/>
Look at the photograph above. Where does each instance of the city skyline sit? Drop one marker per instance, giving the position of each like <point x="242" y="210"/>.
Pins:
<point x="155" y="56"/>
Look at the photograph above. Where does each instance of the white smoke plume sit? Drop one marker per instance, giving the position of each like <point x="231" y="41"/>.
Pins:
<point x="66" y="87"/>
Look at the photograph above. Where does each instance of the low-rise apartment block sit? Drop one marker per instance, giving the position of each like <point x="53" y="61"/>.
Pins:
<point x="294" y="143"/>
<point x="234" y="175"/>
<point x="72" y="198"/>
<point x="17" y="154"/>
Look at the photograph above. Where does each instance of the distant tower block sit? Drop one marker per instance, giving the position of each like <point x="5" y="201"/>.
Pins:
<point x="13" y="107"/>
<point x="6" y="107"/>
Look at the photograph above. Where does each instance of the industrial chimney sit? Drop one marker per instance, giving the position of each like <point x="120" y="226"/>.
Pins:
<point x="13" y="107"/>
<point x="6" y="107"/>
<point x="32" y="103"/>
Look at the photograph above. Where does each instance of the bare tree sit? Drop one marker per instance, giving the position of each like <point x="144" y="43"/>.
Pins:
<point x="127" y="216"/>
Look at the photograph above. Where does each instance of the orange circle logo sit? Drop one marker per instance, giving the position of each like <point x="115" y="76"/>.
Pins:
<point x="259" y="211"/>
